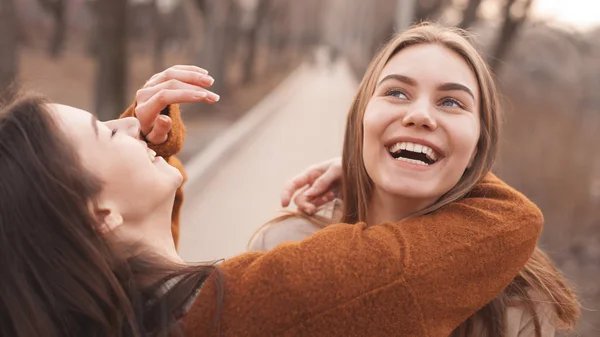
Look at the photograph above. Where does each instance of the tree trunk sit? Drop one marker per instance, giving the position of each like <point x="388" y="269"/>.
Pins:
<point x="8" y="49"/>
<point x="469" y="14"/>
<point x="428" y="13"/>
<point x="259" y="16"/>
<point x="213" y="56"/>
<point x="159" y="36"/>
<point x="57" y="10"/>
<point x="510" y="28"/>
<point x="111" y="76"/>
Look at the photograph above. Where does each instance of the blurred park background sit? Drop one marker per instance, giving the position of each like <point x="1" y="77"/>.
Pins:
<point x="94" y="54"/>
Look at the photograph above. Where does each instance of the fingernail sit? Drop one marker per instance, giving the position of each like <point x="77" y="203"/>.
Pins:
<point x="207" y="80"/>
<point x="214" y="97"/>
<point x="203" y="71"/>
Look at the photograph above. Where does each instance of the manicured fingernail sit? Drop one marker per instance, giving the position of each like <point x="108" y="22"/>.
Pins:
<point x="200" y="95"/>
<point x="203" y="71"/>
<point x="214" y="97"/>
<point x="207" y="80"/>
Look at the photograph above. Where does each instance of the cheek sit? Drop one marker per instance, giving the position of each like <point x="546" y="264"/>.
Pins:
<point x="464" y="137"/>
<point x="375" y="121"/>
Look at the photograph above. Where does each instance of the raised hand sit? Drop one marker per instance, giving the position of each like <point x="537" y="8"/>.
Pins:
<point x="315" y="186"/>
<point x="178" y="84"/>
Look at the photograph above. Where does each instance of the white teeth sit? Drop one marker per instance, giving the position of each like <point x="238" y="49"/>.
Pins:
<point x="151" y="154"/>
<point x="395" y="148"/>
<point x="418" y="162"/>
<point x="419" y="148"/>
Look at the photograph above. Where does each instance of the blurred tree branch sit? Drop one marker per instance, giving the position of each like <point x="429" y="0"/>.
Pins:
<point x="159" y="38"/>
<point x="515" y="13"/>
<point x="111" y="75"/>
<point x="9" y="61"/>
<point x="429" y="10"/>
<point x="260" y="15"/>
<point x="469" y="16"/>
<point x="56" y="9"/>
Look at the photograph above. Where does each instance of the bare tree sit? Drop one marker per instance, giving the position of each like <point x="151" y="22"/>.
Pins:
<point x="515" y="14"/>
<point x="111" y="76"/>
<point x="429" y="10"/>
<point x="56" y="9"/>
<point x="215" y="49"/>
<point x="259" y="18"/>
<point x="8" y="48"/>
<point x="469" y="14"/>
<point x="159" y="37"/>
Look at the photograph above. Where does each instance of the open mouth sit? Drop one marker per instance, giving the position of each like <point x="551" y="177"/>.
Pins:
<point x="413" y="153"/>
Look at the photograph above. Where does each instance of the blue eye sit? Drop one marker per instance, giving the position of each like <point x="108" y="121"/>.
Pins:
<point x="396" y="93"/>
<point x="451" y="103"/>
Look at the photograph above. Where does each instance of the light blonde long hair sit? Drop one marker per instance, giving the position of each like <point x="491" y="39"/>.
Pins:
<point x="539" y="276"/>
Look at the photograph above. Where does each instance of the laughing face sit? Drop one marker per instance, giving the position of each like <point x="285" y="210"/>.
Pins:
<point x="136" y="180"/>
<point x="422" y="125"/>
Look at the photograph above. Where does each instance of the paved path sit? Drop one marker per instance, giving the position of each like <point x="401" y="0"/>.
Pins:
<point x="222" y="212"/>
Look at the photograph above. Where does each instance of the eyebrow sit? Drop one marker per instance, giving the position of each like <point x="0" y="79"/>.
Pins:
<point x="95" y="125"/>
<point x="450" y="86"/>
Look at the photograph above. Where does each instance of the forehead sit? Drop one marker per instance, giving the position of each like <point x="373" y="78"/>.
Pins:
<point x="431" y="62"/>
<point x="74" y="122"/>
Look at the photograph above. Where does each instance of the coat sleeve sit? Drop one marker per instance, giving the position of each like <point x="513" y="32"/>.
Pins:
<point x="422" y="276"/>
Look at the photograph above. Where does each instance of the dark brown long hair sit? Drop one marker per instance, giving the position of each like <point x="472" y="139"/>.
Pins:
<point x="60" y="276"/>
<point x="539" y="276"/>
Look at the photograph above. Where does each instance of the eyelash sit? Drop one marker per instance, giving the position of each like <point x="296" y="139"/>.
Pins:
<point x="395" y="91"/>
<point x="453" y="100"/>
<point x="113" y="132"/>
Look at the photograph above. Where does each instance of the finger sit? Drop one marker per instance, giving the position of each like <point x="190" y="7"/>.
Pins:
<point x="186" y="76"/>
<point x="190" y="68"/>
<point x="145" y="94"/>
<point x="320" y="201"/>
<point x="179" y="67"/>
<point x="323" y="183"/>
<point x="296" y="183"/>
<point x="310" y="205"/>
<point x="160" y="101"/>
<point x="160" y="130"/>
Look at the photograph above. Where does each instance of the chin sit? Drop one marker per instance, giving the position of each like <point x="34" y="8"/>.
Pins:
<point x="412" y="190"/>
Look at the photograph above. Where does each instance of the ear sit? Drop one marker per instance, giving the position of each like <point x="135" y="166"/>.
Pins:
<point x="109" y="219"/>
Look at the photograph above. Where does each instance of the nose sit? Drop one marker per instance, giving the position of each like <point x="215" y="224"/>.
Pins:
<point x="128" y="125"/>
<point x="132" y="126"/>
<point x="420" y="115"/>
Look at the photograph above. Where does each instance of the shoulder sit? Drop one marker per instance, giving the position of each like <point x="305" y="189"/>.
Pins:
<point x="289" y="229"/>
<point x="520" y="320"/>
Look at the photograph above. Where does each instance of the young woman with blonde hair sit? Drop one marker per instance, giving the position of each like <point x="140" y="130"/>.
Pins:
<point x="422" y="132"/>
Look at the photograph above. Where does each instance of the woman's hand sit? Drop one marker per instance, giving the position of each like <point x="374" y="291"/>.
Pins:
<point x="178" y="84"/>
<point x="317" y="185"/>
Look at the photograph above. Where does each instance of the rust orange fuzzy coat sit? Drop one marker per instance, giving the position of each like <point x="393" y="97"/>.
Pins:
<point x="419" y="277"/>
<point x="168" y="150"/>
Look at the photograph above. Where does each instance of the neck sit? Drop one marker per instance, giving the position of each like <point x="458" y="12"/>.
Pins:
<point x="385" y="207"/>
<point x="154" y="231"/>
